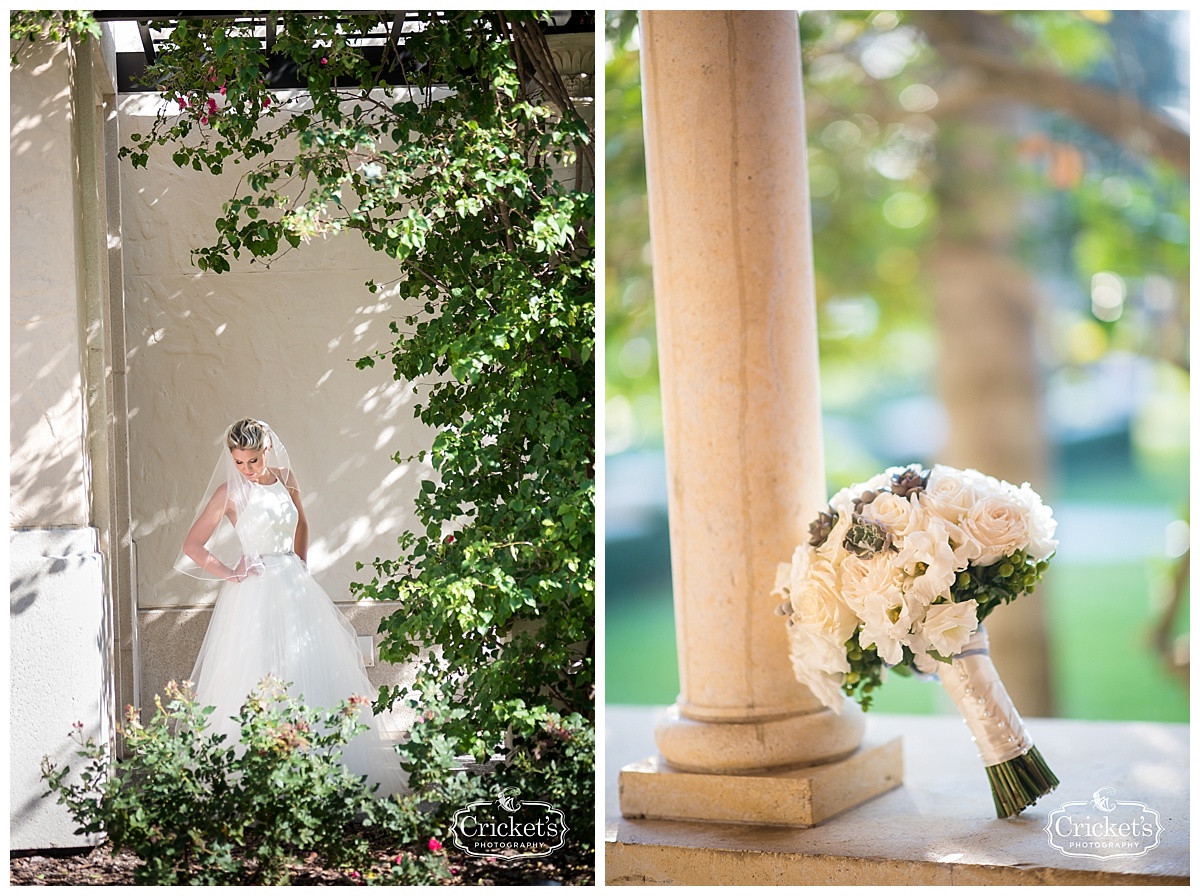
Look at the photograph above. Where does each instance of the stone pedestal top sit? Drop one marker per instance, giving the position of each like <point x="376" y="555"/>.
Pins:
<point x="938" y="828"/>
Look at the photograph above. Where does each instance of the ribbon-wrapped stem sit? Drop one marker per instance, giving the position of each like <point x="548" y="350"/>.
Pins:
<point x="1015" y="769"/>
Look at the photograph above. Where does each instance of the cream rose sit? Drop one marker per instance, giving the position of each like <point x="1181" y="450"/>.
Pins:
<point x="817" y="602"/>
<point x="949" y="493"/>
<point x="997" y="522"/>
<point x="818" y="662"/>
<point x="900" y="516"/>
<point x="1040" y="522"/>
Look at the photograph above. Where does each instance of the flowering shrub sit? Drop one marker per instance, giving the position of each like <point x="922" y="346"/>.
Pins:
<point x="196" y="809"/>
<point x="409" y="869"/>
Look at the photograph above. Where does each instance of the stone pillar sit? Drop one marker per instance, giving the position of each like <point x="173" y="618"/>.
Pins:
<point x="729" y="223"/>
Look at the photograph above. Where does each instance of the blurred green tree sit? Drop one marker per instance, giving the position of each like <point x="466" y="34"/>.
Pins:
<point x="958" y="162"/>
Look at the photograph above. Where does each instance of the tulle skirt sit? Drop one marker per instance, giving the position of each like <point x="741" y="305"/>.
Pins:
<point x="282" y="623"/>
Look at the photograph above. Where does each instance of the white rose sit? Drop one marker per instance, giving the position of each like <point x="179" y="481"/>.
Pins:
<point x="949" y="493"/>
<point x="900" y="516"/>
<point x="817" y="602"/>
<point x="819" y="663"/>
<point x="842" y="501"/>
<point x="964" y="545"/>
<point x="1039" y="519"/>
<point x="998" y="524"/>
<point x="983" y="484"/>
<point x="947" y="627"/>
<point x="803" y="559"/>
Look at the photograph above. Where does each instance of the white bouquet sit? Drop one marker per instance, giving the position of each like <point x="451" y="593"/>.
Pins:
<point x="899" y="573"/>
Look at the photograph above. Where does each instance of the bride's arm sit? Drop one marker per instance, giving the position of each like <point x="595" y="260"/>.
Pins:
<point x="301" y="540"/>
<point x="196" y="539"/>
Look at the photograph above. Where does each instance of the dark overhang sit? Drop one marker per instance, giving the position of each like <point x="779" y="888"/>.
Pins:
<point x="383" y="44"/>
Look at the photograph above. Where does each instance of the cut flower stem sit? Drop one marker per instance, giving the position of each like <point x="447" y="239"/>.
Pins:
<point x="1019" y="783"/>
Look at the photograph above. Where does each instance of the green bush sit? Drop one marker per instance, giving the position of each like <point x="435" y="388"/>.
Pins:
<point x="558" y="767"/>
<point x="555" y="764"/>
<point x="193" y="808"/>
<point x="408" y="869"/>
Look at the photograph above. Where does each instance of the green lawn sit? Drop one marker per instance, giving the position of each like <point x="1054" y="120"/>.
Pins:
<point x="1099" y="615"/>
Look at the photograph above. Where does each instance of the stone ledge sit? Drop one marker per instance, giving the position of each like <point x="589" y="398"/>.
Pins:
<point x="939" y="828"/>
<point x="797" y="798"/>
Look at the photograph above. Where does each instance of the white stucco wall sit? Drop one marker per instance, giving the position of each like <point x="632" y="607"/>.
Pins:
<point x="46" y="476"/>
<point x="58" y="620"/>
<point x="275" y="343"/>
<point x="57" y="631"/>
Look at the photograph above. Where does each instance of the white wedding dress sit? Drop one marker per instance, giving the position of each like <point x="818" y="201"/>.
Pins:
<point x="281" y="622"/>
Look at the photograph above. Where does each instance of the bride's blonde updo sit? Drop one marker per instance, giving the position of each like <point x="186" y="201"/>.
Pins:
<point x="249" y="435"/>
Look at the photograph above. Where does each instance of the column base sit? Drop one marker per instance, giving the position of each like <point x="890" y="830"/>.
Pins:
<point x="799" y="797"/>
<point x="745" y="746"/>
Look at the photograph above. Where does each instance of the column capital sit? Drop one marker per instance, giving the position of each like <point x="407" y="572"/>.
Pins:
<point x="574" y="56"/>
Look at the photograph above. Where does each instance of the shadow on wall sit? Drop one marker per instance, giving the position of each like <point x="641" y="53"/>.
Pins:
<point x="45" y="402"/>
<point x="342" y="427"/>
<point x="276" y="342"/>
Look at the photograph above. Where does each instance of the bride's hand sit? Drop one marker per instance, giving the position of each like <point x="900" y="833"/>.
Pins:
<point x="244" y="568"/>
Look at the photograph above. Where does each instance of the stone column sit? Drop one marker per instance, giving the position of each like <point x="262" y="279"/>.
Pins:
<point x="729" y="223"/>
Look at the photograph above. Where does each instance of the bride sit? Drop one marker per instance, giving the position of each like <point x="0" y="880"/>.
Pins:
<point x="271" y="616"/>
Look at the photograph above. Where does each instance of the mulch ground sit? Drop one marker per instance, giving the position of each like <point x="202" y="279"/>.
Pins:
<point x="99" y="867"/>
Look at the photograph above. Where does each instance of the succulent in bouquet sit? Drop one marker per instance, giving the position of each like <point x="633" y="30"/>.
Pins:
<point x="899" y="573"/>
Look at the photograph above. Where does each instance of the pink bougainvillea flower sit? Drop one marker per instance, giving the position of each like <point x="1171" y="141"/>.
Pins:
<point x="266" y="101"/>
<point x="434" y="844"/>
<point x="183" y="102"/>
<point x="324" y="61"/>
<point x="212" y="106"/>
<point x="222" y="90"/>
<point x="204" y="119"/>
